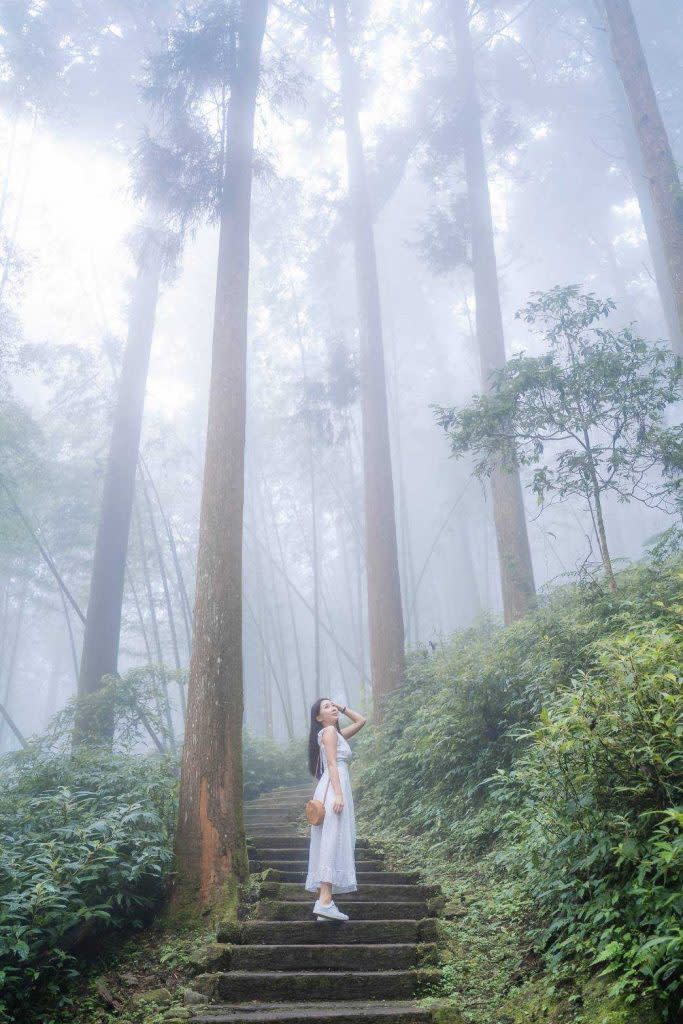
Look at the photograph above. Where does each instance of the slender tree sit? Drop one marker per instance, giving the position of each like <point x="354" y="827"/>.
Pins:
<point x="516" y="572"/>
<point x="385" y="613"/>
<point x="210" y="844"/>
<point x="103" y="620"/>
<point x="658" y="160"/>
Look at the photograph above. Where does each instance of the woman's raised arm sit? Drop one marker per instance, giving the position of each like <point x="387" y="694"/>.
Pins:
<point x="357" y="719"/>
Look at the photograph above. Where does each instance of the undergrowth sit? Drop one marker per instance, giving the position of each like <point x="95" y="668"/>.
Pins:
<point x="537" y="773"/>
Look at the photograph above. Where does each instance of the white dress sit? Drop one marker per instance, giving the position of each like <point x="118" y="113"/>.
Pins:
<point x="331" y="855"/>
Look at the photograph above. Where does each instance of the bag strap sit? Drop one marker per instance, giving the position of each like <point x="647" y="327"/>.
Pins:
<point x="328" y="774"/>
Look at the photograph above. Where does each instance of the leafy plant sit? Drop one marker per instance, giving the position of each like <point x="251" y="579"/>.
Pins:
<point x="85" y="844"/>
<point x="597" y="813"/>
<point x="536" y="773"/>
<point x="588" y="414"/>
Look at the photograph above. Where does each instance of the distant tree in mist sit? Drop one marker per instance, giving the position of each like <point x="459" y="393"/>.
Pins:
<point x="103" y="622"/>
<point x="464" y="232"/>
<point x="385" y="612"/>
<point x="658" y="160"/>
<point x="589" y="415"/>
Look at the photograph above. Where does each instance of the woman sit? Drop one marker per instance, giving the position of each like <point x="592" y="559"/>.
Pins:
<point x="331" y="866"/>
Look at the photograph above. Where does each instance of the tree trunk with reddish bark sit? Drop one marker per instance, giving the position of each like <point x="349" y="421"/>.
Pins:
<point x="210" y="842"/>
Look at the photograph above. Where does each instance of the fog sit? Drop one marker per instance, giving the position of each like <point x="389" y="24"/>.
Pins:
<point x="77" y="114"/>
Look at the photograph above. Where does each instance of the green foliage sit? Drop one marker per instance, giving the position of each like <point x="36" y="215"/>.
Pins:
<point x="86" y="844"/>
<point x="597" y="812"/>
<point x="588" y="414"/>
<point x="133" y="703"/>
<point x="536" y="771"/>
<point x="268" y="765"/>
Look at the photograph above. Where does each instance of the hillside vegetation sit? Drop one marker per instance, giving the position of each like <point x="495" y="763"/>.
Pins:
<point x="537" y="772"/>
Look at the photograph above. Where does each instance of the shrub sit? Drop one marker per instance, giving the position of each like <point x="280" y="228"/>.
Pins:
<point x="554" y="746"/>
<point x="597" y="818"/>
<point x="85" y="842"/>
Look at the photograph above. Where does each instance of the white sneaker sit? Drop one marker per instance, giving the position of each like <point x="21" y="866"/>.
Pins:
<point x="329" y="912"/>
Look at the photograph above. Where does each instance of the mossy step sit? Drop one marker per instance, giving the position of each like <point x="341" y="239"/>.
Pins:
<point x="390" y="893"/>
<point x="309" y="932"/>
<point x="362" y="877"/>
<point x="312" y="985"/>
<point x="317" y="957"/>
<point x="351" y="1012"/>
<point x="294" y="910"/>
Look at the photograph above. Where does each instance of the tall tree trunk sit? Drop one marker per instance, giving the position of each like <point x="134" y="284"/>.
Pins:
<point x="385" y="613"/>
<point x="658" y="160"/>
<point x="638" y="180"/>
<point x="103" y="622"/>
<point x="514" y="556"/>
<point x="411" y="614"/>
<point x="210" y="842"/>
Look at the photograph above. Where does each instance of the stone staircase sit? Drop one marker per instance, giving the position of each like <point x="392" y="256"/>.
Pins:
<point x="284" y="965"/>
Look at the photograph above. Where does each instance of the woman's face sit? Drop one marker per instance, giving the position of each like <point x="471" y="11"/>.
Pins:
<point x="328" y="713"/>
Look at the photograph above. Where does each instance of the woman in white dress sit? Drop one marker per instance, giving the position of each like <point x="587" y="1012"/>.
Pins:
<point x="331" y="858"/>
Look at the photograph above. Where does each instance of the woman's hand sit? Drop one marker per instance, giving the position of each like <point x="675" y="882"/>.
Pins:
<point x="341" y="708"/>
<point x="338" y="805"/>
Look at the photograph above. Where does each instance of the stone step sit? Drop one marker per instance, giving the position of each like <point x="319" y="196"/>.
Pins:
<point x="294" y="910"/>
<point x="310" y="931"/>
<point x="290" y="841"/>
<point x="293" y="852"/>
<point x="283" y="826"/>
<point x="348" y="1012"/>
<point x="386" y="893"/>
<point x="281" y="799"/>
<point x="304" y="784"/>
<point x="319" y="957"/>
<point x="290" y="831"/>
<point x="362" y="877"/>
<point x="301" y="864"/>
<point x="268" y="813"/>
<point x="315" y="985"/>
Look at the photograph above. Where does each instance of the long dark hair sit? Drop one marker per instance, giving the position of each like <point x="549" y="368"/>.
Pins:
<point x="315" y="766"/>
